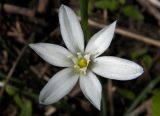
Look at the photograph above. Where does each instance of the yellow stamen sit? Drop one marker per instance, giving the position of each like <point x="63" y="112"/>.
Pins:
<point x="82" y="62"/>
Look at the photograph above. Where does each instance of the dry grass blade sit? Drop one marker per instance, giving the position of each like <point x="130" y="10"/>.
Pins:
<point x="13" y="69"/>
<point x="145" y="107"/>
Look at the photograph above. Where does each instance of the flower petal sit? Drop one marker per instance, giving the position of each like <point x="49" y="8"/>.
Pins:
<point x="71" y="30"/>
<point x="91" y="88"/>
<point x="58" y="86"/>
<point x="101" y="40"/>
<point x="116" y="68"/>
<point x="53" y="54"/>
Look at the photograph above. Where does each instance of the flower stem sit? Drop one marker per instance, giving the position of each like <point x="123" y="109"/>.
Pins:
<point x="103" y="106"/>
<point x="84" y="18"/>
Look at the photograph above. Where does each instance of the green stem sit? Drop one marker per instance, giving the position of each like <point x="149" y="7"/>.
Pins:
<point x="148" y="89"/>
<point x="84" y="18"/>
<point x="103" y="106"/>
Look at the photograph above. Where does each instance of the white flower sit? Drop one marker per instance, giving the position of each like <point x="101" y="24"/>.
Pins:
<point x="81" y="63"/>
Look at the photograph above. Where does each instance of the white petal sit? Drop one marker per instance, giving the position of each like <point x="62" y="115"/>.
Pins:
<point x="71" y="30"/>
<point x="53" y="54"/>
<point x="101" y="40"/>
<point x="116" y="68"/>
<point x="91" y="88"/>
<point x="58" y="86"/>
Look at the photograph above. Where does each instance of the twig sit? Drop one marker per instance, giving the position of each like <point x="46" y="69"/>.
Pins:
<point x="23" y="11"/>
<point x="42" y="6"/>
<point x="50" y="110"/>
<point x="110" y="97"/>
<point x="40" y="73"/>
<point x="13" y="69"/>
<point x="126" y="33"/>
<point x="142" y="108"/>
<point x="17" y="33"/>
<point x="18" y="10"/>
<point x="75" y="91"/>
<point x="105" y="15"/>
<point x="54" y="32"/>
<point x="152" y="10"/>
<point x="155" y="3"/>
<point x="43" y="70"/>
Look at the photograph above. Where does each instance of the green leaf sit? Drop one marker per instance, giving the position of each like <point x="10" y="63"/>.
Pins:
<point x="101" y="4"/>
<point x="133" y="13"/>
<point x="147" y="61"/>
<point x="156" y="103"/>
<point x="109" y="5"/>
<point x="10" y="90"/>
<point x="26" y="109"/>
<point x="122" y="1"/>
<point x="18" y="101"/>
<point x="127" y="94"/>
<point x="138" y="53"/>
<point x="24" y="105"/>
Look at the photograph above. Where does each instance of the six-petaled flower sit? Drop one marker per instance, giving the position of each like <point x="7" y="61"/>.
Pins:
<point x="82" y="63"/>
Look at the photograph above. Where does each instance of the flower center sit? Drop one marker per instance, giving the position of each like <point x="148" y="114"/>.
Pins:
<point x="82" y="62"/>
